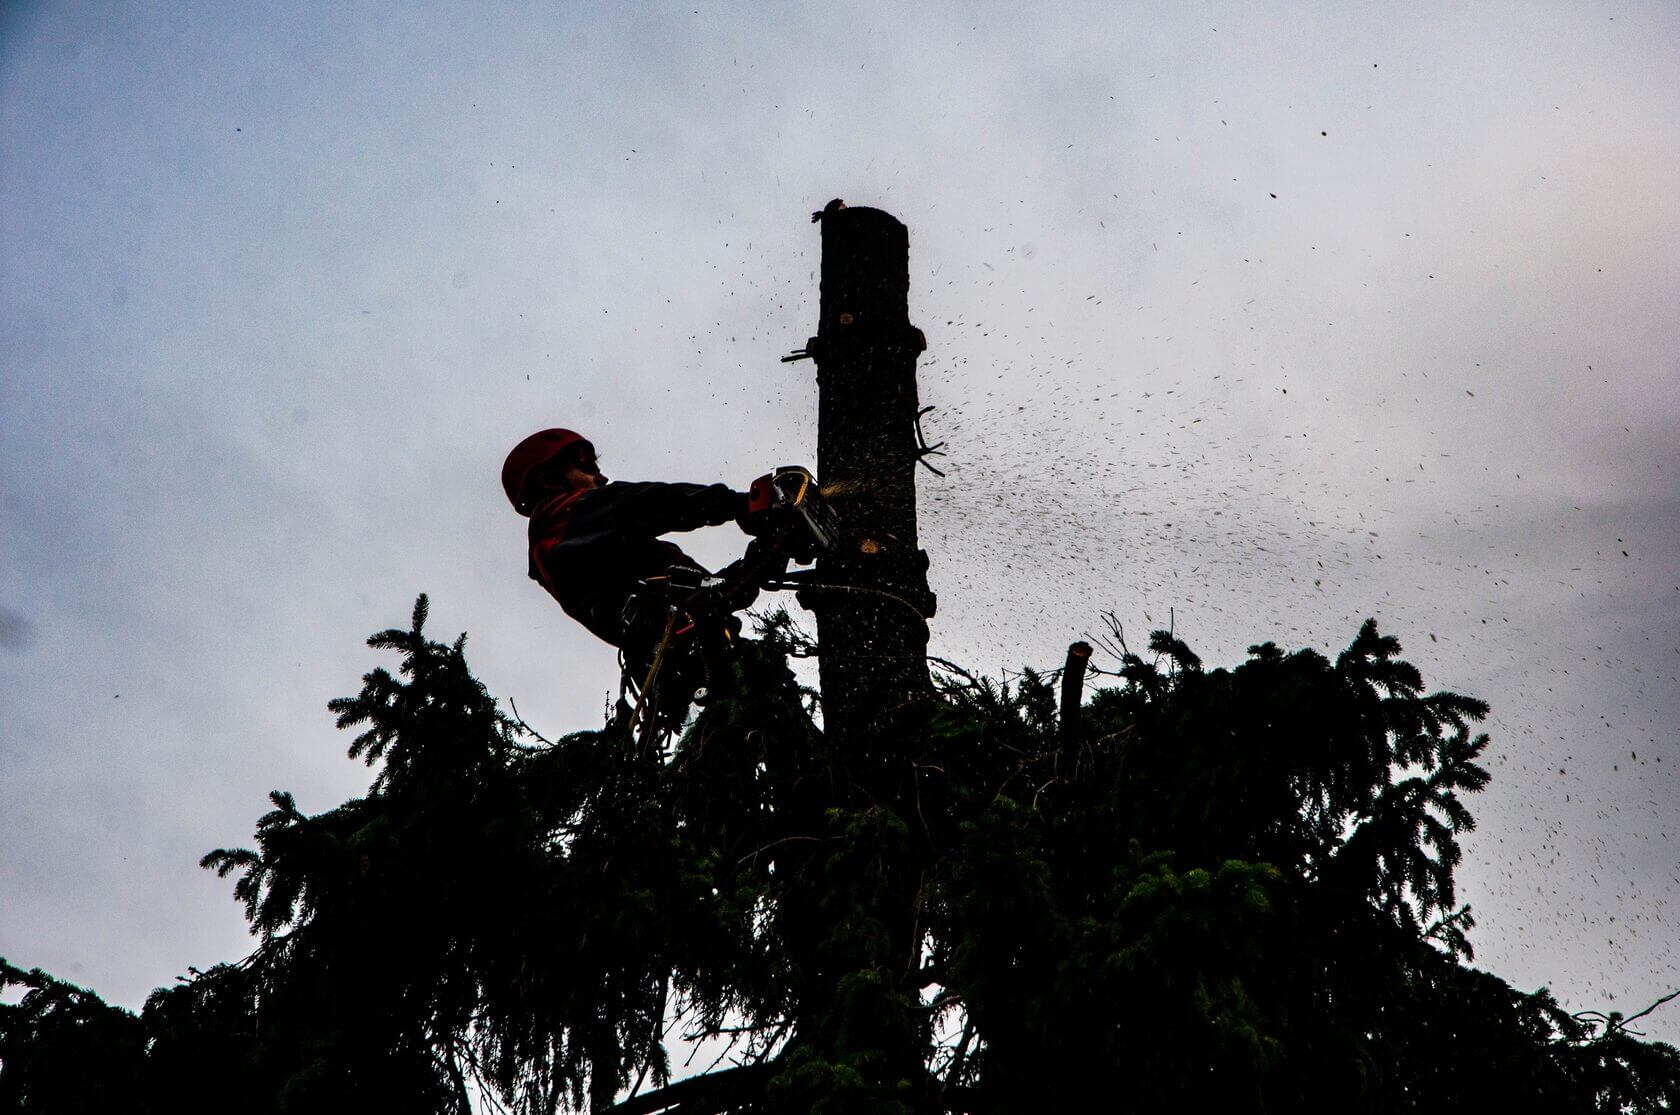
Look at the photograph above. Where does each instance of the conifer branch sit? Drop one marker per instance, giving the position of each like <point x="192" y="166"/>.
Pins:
<point x="707" y="1094"/>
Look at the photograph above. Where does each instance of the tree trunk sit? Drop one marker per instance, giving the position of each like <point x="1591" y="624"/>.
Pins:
<point x="873" y="641"/>
<point x="872" y="636"/>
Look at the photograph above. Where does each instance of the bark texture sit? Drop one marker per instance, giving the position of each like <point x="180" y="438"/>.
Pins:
<point x="874" y="640"/>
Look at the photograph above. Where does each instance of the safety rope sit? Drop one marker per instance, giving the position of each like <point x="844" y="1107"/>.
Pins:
<point x="772" y="585"/>
<point x="801" y="586"/>
<point x="653" y="671"/>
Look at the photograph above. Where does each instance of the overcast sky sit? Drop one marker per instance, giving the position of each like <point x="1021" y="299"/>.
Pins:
<point x="1257" y="322"/>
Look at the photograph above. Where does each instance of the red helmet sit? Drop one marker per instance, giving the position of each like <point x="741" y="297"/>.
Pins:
<point x="529" y="456"/>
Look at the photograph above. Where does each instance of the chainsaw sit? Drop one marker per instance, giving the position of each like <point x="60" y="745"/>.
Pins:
<point x="786" y="507"/>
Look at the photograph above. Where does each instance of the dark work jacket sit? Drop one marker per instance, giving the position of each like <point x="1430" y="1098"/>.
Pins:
<point x="590" y="548"/>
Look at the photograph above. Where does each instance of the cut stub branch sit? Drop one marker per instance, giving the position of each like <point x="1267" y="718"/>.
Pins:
<point x="1073" y="688"/>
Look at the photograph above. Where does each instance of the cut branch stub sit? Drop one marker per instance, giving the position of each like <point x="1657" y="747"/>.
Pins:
<point x="1073" y="688"/>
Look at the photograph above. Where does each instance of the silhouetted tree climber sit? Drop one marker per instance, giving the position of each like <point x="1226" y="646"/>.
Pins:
<point x="593" y="542"/>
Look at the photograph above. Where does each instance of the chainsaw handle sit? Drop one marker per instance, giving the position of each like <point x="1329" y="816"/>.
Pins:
<point x="761" y="496"/>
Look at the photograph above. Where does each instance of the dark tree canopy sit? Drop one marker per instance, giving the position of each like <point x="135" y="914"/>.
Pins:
<point x="1231" y="886"/>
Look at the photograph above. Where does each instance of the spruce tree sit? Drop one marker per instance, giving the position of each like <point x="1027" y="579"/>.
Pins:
<point x="1232" y="886"/>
